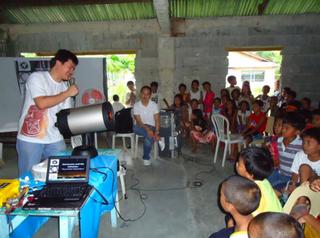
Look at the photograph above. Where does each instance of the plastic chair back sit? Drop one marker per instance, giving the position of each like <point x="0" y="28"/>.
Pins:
<point x="221" y="126"/>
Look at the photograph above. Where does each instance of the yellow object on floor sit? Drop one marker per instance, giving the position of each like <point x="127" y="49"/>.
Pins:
<point x="9" y="188"/>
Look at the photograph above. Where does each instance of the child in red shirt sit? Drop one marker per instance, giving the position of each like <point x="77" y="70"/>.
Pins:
<point x="257" y="122"/>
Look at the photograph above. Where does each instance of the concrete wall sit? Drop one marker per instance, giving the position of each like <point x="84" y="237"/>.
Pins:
<point x="200" y="54"/>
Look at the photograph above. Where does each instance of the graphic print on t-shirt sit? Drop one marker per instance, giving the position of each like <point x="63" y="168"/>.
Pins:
<point x="35" y="123"/>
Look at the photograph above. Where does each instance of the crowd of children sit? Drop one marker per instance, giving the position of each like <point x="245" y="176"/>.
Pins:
<point x="288" y="158"/>
<point x="289" y="155"/>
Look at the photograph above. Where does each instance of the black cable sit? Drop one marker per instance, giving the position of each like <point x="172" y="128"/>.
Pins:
<point x="114" y="200"/>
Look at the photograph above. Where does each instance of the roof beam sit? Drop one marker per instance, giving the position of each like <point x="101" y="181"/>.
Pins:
<point x="44" y="3"/>
<point x="262" y="7"/>
<point x="162" y="11"/>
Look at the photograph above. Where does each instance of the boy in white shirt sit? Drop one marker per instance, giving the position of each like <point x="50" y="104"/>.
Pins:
<point x="306" y="163"/>
<point x="116" y="105"/>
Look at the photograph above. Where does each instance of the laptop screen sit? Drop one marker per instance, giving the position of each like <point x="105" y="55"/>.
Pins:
<point x="64" y="169"/>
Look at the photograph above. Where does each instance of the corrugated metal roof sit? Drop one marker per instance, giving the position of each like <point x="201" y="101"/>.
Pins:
<point x="145" y="10"/>
<point x="214" y="8"/>
<point x="79" y="13"/>
<point x="288" y="7"/>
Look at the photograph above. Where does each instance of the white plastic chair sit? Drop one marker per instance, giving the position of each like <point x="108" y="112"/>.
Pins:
<point x="155" y="148"/>
<point x="222" y="126"/>
<point x="123" y="136"/>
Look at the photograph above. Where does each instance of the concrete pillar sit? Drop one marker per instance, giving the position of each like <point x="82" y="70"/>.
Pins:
<point x="166" y="57"/>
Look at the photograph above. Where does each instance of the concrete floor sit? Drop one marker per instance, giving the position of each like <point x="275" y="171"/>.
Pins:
<point x="174" y="207"/>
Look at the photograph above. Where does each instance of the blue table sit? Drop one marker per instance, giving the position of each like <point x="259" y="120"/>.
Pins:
<point x="25" y="224"/>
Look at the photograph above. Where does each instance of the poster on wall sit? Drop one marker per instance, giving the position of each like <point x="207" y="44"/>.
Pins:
<point x="24" y="67"/>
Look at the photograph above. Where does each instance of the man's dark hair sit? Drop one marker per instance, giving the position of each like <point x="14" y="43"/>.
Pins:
<point x="313" y="133"/>
<point x="294" y="119"/>
<point x="115" y="98"/>
<point x="154" y="84"/>
<point x="242" y="193"/>
<point x="275" y="225"/>
<point x="257" y="161"/>
<point x="182" y="85"/>
<point x="259" y="102"/>
<point x="231" y="77"/>
<point x="195" y="81"/>
<point x="145" y="87"/>
<point x="130" y="83"/>
<point x="63" y="56"/>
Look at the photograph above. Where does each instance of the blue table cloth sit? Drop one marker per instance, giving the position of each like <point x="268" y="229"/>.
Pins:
<point x="103" y="177"/>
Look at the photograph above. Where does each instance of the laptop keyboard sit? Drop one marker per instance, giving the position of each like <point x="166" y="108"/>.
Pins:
<point x="63" y="192"/>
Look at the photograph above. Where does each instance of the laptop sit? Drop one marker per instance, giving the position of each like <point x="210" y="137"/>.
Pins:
<point x="66" y="186"/>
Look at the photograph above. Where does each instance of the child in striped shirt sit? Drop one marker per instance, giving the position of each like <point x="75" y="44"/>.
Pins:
<point x="288" y="145"/>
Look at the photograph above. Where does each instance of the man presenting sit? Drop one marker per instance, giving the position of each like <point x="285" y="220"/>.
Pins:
<point x="46" y="94"/>
<point x="147" y="118"/>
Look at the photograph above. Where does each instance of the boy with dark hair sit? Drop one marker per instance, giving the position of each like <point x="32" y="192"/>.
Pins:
<point x="306" y="163"/>
<point x="256" y="164"/>
<point x="288" y="145"/>
<point x="195" y="92"/>
<point x="217" y="106"/>
<point x="116" y="105"/>
<point x="316" y="118"/>
<point x="232" y="80"/>
<point x="239" y="197"/>
<point x="275" y="225"/>
<point x="257" y="122"/>
<point x="264" y="97"/>
<point x="46" y="94"/>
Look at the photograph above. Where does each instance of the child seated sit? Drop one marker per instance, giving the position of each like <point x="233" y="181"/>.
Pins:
<point x="275" y="225"/>
<point x="217" y="106"/>
<point x="256" y="123"/>
<point x="271" y="141"/>
<point x="243" y="115"/>
<point x="273" y="107"/>
<point x="239" y="197"/>
<point x="306" y="163"/>
<point x="200" y="132"/>
<point x="288" y="145"/>
<point x="256" y="164"/>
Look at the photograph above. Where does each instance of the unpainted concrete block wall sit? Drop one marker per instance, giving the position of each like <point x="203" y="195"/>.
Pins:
<point x="200" y="54"/>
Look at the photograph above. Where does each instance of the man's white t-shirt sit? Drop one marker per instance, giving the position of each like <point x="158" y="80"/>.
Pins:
<point x="146" y="112"/>
<point x="35" y="125"/>
<point x="302" y="158"/>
